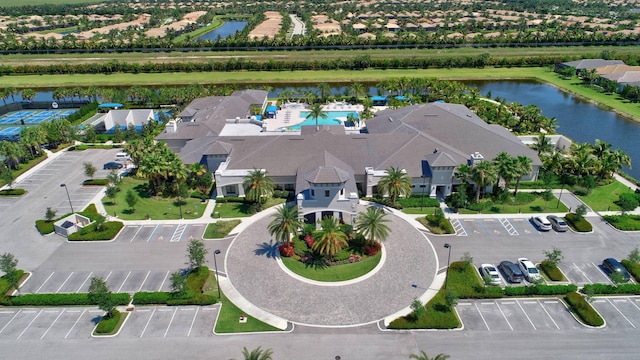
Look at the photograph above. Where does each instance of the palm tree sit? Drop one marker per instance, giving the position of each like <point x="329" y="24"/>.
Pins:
<point x="524" y="168"/>
<point x="28" y="94"/>
<point x="325" y="91"/>
<point x="542" y="144"/>
<point x="285" y="223"/>
<point x="423" y="356"/>
<point x="329" y="239"/>
<point x="483" y="174"/>
<point x="396" y="183"/>
<point x="257" y="354"/>
<point x="316" y="112"/>
<point x="257" y="185"/>
<point x="357" y="89"/>
<point x="507" y="168"/>
<point x="372" y="225"/>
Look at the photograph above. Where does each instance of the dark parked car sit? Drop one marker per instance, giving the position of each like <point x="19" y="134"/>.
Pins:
<point x="511" y="272"/>
<point x="612" y="266"/>
<point x="112" y="166"/>
<point x="557" y="223"/>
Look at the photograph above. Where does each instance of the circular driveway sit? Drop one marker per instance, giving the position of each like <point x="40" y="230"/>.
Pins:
<point x="252" y="268"/>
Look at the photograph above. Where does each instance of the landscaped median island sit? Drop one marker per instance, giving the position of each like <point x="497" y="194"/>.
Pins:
<point x="220" y="229"/>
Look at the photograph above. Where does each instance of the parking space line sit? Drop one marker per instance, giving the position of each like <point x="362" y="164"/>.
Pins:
<point x="53" y="323"/>
<point x="107" y="278"/>
<point x="192" y="322"/>
<point x="504" y="316"/>
<point x="29" y="325"/>
<point x="549" y="315"/>
<point x="75" y="323"/>
<point x="527" y="315"/>
<point x="605" y="274"/>
<point x="37" y="291"/>
<point x="636" y="306"/>
<point x="143" y="281"/>
<point x="482" y="317"/>
<point x="64" y="282"/>
<point x="134" y="235"/>
<point x="458" y="228"/>
<point x="153" y="232"/>
<point x="163" y="280"/>
<point x="84" y="282"/>
<point x="7" y="324"/>
<point x="148" y="321"/>
<point x="618" y="310"/>
<point x="125" y="280"/>
<point x="582" y="272"/>
<point x="6" y="312"/>
<point x="178" y="232"/>
<point x="508" y="226"/>
<point x="170" y="322"/>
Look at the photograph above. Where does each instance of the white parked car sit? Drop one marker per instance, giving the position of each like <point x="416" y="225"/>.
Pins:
<point x="490" y="271"/>
<point x="529" y="270"/>
<point x="542" y="223"/>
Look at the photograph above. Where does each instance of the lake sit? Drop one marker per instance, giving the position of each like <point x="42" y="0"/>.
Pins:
<point x="227" y="29"/>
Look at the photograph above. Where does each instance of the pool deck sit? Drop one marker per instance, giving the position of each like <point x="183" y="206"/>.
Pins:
<point x="289" y="114"/>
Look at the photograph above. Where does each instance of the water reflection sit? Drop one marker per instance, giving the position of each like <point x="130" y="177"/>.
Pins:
<point x="229" y="28"/>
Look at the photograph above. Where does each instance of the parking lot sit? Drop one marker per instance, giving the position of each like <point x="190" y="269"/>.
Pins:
<point x="516" y="315"/>
<point x="497" y="227"/>
<point x="78" y="323"/>
<point x="620" y="312"/>
<point x="161" y="232"/>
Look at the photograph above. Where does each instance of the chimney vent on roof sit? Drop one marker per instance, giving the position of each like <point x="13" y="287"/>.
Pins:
<point x="435" y="151"/>
<point x="390" y="119"/>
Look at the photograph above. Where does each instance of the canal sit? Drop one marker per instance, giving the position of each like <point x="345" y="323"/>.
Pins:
<point x="227" y="29"/>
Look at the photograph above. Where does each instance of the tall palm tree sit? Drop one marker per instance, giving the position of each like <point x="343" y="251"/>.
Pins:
<point x="357" y="89"/>
<point x="329" y="239"/>
<point x="542" y="144"/>
<point x="483" y="174"/>
<point x="396" y="183"/>
<point x="285" y="223"/>
<point x="524" y="168"/>
<point x="257" y="185"/>
<point x="257" y="354"/>
<point x="316" y="112"/>
<point x="423" y="356"/>
<point x="325" y="90"/>
<point x="371" y="225"/>
<point x="507" y="168"/>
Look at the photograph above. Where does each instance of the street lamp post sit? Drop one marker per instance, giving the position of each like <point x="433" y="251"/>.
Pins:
<point x="215" y="264"/>
<point x="447" y="246"/>
<point x="68" y="197"/>
<point x="561" y="189"/>
<point x="179" y="197"/>
<point x="422" y="186"/>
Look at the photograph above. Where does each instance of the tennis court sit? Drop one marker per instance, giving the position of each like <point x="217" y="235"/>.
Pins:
<point x="34" y="116"/>
<point x="15" y="116"/>
<point x="10" y="132"/>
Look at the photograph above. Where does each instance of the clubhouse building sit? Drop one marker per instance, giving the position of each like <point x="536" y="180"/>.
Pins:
<point x="329" y="168"/>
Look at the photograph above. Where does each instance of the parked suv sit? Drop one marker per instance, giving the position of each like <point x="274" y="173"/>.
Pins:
<point x="511" y="272"/>
<point x="529" y="270"/>
<point x="541" y="223"/>
<point x="612" y="266"/>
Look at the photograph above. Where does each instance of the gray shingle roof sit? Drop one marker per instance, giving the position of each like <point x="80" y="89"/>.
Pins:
<point x="592" y="63"/>
<point x="327" y="175"/>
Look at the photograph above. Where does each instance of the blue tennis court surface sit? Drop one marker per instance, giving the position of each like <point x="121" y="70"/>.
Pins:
<point x="10" y="132"/>
<point x="34" y="116"/>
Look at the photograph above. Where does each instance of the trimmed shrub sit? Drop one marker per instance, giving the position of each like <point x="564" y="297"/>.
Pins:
<point x="632" y="268"/>
<point x="58" y="299"/>
<point x="199" y="195"/>
<point x="108" y="325"/>
<point x="537" y="290"/>
<point x="100" y="182"/>
<point x="286" y="250"/>
<point x="552" y="271"/>
<point x="437" y="224"/>
<point x="416" y="201"/>
<point x="155" y="298"/>
<point x="12" y="192"/>
<point x="578" y="223"/>
<point x="581" y="190"/>
<point x="624" y="222"/>
<point x="5" y="285"/>
<point x="281" y="194"/>
<point x="605" y="289"/>
<point x="465" y="283"/>
<point x="437" y="314"/>
<point x="372" y="249"/>
<point x="45" y="227"/>
<point x="583" y="309"/>
<point x="230" y="199"/>
<point x="111" y="229"/>
<point x="200" y="299"/>
<point x="197" y="278"/>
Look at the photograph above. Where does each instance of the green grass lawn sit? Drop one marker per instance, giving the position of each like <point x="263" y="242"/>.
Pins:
<point x="240" y="209"/>
<point x="220" y="229"/>
<point x="228" y="320"/>
<point x="537" y="206"/>
<point x="333" y="273"/>
<point x="425" y="210"/>
<point x="602" y="197"/>
<point x="156" y="208"/>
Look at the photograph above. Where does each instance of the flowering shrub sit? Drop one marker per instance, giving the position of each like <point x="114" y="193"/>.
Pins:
<point x="309" y="240"/>
<point x="286" y="250"/>
<point x="354" y="258"/>
<point x="372" y="249"/>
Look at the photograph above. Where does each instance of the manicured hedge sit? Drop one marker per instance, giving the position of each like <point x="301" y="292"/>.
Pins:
<point x="578" y="223"/>
<point x="12" y="192"/>
<point x="58" y="299"/>
<point x="632" y="268"/>
<point x="108" y="325"/>
<point x="230" y="199"/>
<point x="537" y="290"/>
<point x="111" y="229"/>
<point x="4" y="284"/>
<point x="200" y="299"/>
<point x="197" y="278"/>
<point x="101" y="182"/>
<point x="604" y="289"/>
<point x="552" y="271"/>
<point x="437" y="315"/>
<point x="45" y="227"/>
<point x="624" y="222"/>
<point x="463" y="280"/>
<point x="146" y="298"/>
<point x="417" y="201"/>
<point x="583" y="309"/>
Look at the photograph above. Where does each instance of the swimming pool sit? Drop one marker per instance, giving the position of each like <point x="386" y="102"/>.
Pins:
<point x="332" y="118"/>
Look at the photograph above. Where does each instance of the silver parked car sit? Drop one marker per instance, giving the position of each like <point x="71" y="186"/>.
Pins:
<point x="557" y="223"/>
<point x="541" y="223"/>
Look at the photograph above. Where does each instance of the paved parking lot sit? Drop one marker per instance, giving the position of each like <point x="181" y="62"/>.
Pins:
<point x="161" y="232"/>
<point x="620" y="312"/>
<point x="498" y="227"/>
<point x="585" y="273"/>
<point x="78" y="281"/>
<point x="516" y="315"/>
<point x="78" y="323"/>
